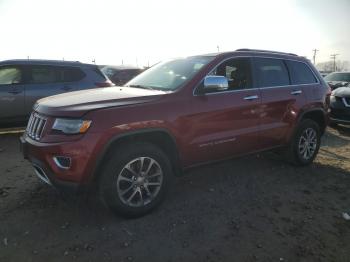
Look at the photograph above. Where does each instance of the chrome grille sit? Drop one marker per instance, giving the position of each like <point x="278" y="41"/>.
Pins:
<point x="35" y="126"/>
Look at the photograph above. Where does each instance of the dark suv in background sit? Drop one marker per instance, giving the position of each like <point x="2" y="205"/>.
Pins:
<point x="338" y="79"/>
<point x="128" y="142"/>
<point x="23" y="82"/>
<point x="119" y="75"/>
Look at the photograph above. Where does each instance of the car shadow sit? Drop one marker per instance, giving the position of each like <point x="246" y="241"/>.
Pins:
<point x="336" y="138"/>
<point x="343" y="130"/>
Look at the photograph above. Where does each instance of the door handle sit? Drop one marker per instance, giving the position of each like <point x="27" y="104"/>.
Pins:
<point x="251" y="97"/>
<point x="15" y="92"/>
<point x="296" y="92"/>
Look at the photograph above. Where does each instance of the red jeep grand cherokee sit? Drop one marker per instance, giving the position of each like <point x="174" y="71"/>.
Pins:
<point x="129" y="141"/>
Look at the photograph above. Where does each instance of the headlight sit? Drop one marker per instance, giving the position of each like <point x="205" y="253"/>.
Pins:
<point x="71" y="126"/>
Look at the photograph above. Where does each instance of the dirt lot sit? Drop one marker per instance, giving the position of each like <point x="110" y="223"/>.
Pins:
<point x="255" y="208"/>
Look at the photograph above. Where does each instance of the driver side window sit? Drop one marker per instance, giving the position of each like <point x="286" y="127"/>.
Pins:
<point x="237" y="71"/>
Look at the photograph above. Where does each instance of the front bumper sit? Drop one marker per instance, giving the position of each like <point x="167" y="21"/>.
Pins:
<point x="49" y="178"/>
<point x="41" y="156"/>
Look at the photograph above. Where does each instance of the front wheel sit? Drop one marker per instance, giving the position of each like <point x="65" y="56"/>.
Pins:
<point x="135" y="179"/>
<point x="305" y="143"/>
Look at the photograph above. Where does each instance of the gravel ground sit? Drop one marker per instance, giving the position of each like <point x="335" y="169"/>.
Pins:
<point x="254" y="208"/>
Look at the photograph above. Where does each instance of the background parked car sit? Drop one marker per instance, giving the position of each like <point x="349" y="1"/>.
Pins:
<point x="340" y="106"/>
<point x="23" y="82"/>
<point x="119" y="75"/>
<point x="338" y="79"/>
<point x="325" y="73"/>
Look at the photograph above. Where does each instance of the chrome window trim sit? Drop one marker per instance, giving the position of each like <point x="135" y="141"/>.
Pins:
<point x="256" y="88"/>
<point x="230" y="91"/>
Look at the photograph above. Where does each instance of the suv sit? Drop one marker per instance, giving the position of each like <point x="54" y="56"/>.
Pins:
<point x="23" y="82"/>
<point x="128" y="142"/>
<point x="338" y="79"/>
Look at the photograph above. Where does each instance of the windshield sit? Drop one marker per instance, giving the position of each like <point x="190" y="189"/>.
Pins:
<point x="108" y="71"/>
<point x="170" y="75"/>
<point x="344" y="77"/>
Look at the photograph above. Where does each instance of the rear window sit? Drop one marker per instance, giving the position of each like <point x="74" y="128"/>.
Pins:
<point x="271" y="72"/>
<point x="72" y="74"/>
<point x="300" y="73"/>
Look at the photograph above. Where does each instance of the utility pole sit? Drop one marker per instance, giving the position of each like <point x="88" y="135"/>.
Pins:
<point x="334" y="56"/>
<point x="218" y="48"/>
<point x="315" y="52"/>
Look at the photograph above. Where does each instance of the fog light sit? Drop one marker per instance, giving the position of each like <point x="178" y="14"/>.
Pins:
<point x="62" y="162"/>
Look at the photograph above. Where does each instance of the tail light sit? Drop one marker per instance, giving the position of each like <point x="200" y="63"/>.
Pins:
<point x="104" y="84"/>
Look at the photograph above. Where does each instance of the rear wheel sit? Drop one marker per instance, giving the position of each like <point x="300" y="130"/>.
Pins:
<point x="305" y="143"/>
<point x="135" y="179"/>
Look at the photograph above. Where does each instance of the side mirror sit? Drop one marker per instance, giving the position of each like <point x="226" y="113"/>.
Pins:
<point x="215" y="83"/>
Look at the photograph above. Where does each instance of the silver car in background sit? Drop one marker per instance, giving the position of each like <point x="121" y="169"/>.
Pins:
<point x="23" y="82"/>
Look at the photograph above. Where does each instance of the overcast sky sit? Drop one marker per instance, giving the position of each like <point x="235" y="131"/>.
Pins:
<point x="151" y="30"/>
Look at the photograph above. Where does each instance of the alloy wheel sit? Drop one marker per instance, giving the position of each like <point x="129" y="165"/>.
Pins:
<point x="308" y="143"/>
<point x="139" y="182"/>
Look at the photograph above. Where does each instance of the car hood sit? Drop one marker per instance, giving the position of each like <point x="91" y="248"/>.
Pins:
<point x="341" y="92"/>
<point x="75" y="104"/>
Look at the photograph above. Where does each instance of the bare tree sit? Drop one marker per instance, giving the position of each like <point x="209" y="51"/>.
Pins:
<point x="328" y="66"/>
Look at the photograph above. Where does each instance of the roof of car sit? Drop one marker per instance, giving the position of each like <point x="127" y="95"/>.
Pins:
<point x="253" y="52"/>
<point x="41" y="62"/>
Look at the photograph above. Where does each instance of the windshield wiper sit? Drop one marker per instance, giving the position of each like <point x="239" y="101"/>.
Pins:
<point x="141" y="86"/>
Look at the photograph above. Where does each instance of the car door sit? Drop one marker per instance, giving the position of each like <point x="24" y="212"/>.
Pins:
<point x="280" y="100"/>
<point x="11" y="94"/>
<point x="43" y="81"/>
<point x="303" y="76"/>
<point x="225" y="123"/>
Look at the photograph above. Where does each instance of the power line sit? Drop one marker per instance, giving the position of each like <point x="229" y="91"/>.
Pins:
<point x="334" y="56"/>
<point x="315" y="52"/>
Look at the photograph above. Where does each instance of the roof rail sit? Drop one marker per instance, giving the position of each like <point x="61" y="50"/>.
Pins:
<point x="265" y="51"/>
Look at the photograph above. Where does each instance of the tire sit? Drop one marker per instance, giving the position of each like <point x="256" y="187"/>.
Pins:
<point x="295" y="153"/>
<point x="126" y="186"/>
